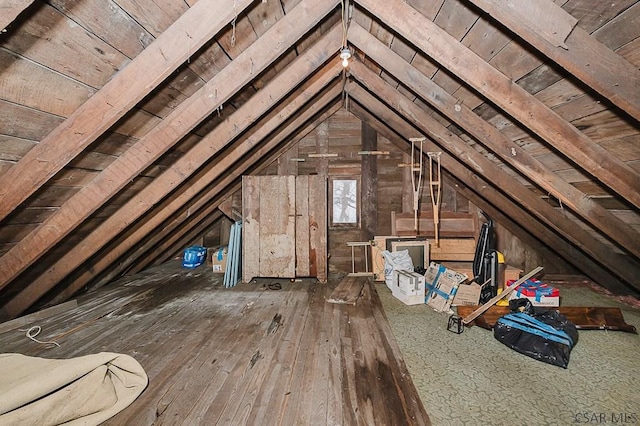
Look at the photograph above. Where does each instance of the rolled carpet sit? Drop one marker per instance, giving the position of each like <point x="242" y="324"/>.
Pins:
<point x="85" y="390"/>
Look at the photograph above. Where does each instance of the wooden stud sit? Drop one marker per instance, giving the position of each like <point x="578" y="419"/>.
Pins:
<point x="599" y="217"/>
<point x="153" y="65"/>
<point x="623" y="266"/>
<point x="498" y="88"/>
<point x="606" y="71"/>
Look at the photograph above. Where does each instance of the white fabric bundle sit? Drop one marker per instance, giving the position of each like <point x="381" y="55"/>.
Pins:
<point x="85" y="390"/>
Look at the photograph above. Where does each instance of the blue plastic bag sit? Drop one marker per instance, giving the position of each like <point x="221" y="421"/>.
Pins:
<point x="193" y="256"/>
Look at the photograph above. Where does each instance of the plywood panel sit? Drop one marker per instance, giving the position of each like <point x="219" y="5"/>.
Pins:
<point x="318" y="227"/>
<point x="302" y="227"/>
<point x="287" y="226"/>
<point x="277" y="226"/>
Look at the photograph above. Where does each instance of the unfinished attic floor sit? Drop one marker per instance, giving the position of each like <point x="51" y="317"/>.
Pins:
<point x="472" y="379"/>
<point x="273" y="352"/>
<point x="257" y="355"/>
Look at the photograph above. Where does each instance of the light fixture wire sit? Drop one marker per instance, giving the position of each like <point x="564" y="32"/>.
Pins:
<point x="233" y="23"/>
<point x="345" y="53"/>
<point x="344" y="23"/>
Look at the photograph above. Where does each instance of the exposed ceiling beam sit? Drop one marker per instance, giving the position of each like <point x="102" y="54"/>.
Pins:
<point x="511" y="214"/>
<point x="510" y="152"/>
<point x="299" y="70"/>
<point x="466" y="191"/>
<point x="10" y="9"/>
<point x="257" y="57"/>
<point x="242" y="164"/>
<point x="556" y="220"/>
<point x="577" y="52"/>
<point x="152" y="66"/>
<point x="486" y="189"/>
<point x="514" y="100"/>
<point x="262" y="162"/>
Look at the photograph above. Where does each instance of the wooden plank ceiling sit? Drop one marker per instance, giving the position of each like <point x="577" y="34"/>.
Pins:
<point x="125" y="123"/>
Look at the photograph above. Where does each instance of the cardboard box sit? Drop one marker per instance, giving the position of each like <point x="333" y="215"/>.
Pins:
<point x="219" y="260"/>
<point x="511" y="273"/>
<point x="467" y="294"/>
<point x="408" y="287"/>
<point x="441" y="286"/>
<point x="539" y="293"/>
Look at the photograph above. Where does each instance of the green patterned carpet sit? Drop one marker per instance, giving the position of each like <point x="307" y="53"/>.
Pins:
<point x="472" y="379"/>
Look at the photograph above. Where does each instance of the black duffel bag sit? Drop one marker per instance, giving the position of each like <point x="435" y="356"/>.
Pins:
<point x="546" y="336"/>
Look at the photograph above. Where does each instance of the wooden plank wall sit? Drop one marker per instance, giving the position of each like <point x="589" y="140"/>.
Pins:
<point x="341" y="135"/>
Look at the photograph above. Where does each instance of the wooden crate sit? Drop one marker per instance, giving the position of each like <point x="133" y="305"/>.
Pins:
<point x="510" y="272"/>
<point x="451" y="225"/>
<point x="453" y="249"/>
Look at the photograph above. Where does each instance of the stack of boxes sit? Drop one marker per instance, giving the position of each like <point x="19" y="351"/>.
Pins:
<point x="539" y="293"/>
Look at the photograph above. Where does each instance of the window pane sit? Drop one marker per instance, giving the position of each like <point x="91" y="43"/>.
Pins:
<point x="345" y="198"/>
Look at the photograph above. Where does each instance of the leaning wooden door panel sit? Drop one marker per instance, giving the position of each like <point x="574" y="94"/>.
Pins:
<point x="277" y="226"/>
<point x="285" y="226"/>
<point x="251" y="227"/>
<point x="318" y="227"/>
<point x="302" y="227"/>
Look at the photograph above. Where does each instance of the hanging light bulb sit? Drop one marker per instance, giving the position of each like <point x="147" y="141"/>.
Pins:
<point x="345" y="54"/>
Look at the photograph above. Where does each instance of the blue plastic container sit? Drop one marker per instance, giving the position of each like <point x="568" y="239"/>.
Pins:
<point x="193" y="256"/>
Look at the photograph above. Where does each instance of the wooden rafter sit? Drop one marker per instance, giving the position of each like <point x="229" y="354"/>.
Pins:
<point x="458" y="148"/>
<point x="225" y="132"/>
<point x="201" y="204"/>
<point x="495" y="86"/>
<point x="157" y="141"/>
<point x="493" y="139"/>
<point x="10" y="9"/>
<point x="152" y="66"/>
<point x="604" y="71"/>
<point x="478" y="185"/>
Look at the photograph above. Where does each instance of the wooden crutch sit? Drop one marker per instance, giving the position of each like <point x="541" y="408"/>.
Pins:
<point x="435" y="188"/>
<point x="416" y="167"/>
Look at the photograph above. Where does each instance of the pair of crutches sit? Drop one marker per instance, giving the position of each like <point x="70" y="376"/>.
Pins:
<point x="435" y="183"/>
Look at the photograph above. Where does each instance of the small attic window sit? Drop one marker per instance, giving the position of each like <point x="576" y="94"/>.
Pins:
<point x="345" y="206"/>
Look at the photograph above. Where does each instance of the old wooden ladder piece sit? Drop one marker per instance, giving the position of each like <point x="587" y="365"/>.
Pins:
<point x="364" y="245"/>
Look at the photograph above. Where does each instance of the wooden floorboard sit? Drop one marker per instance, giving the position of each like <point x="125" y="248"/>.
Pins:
<point x="256" y="354"/>
<point x="348" y="290"/>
